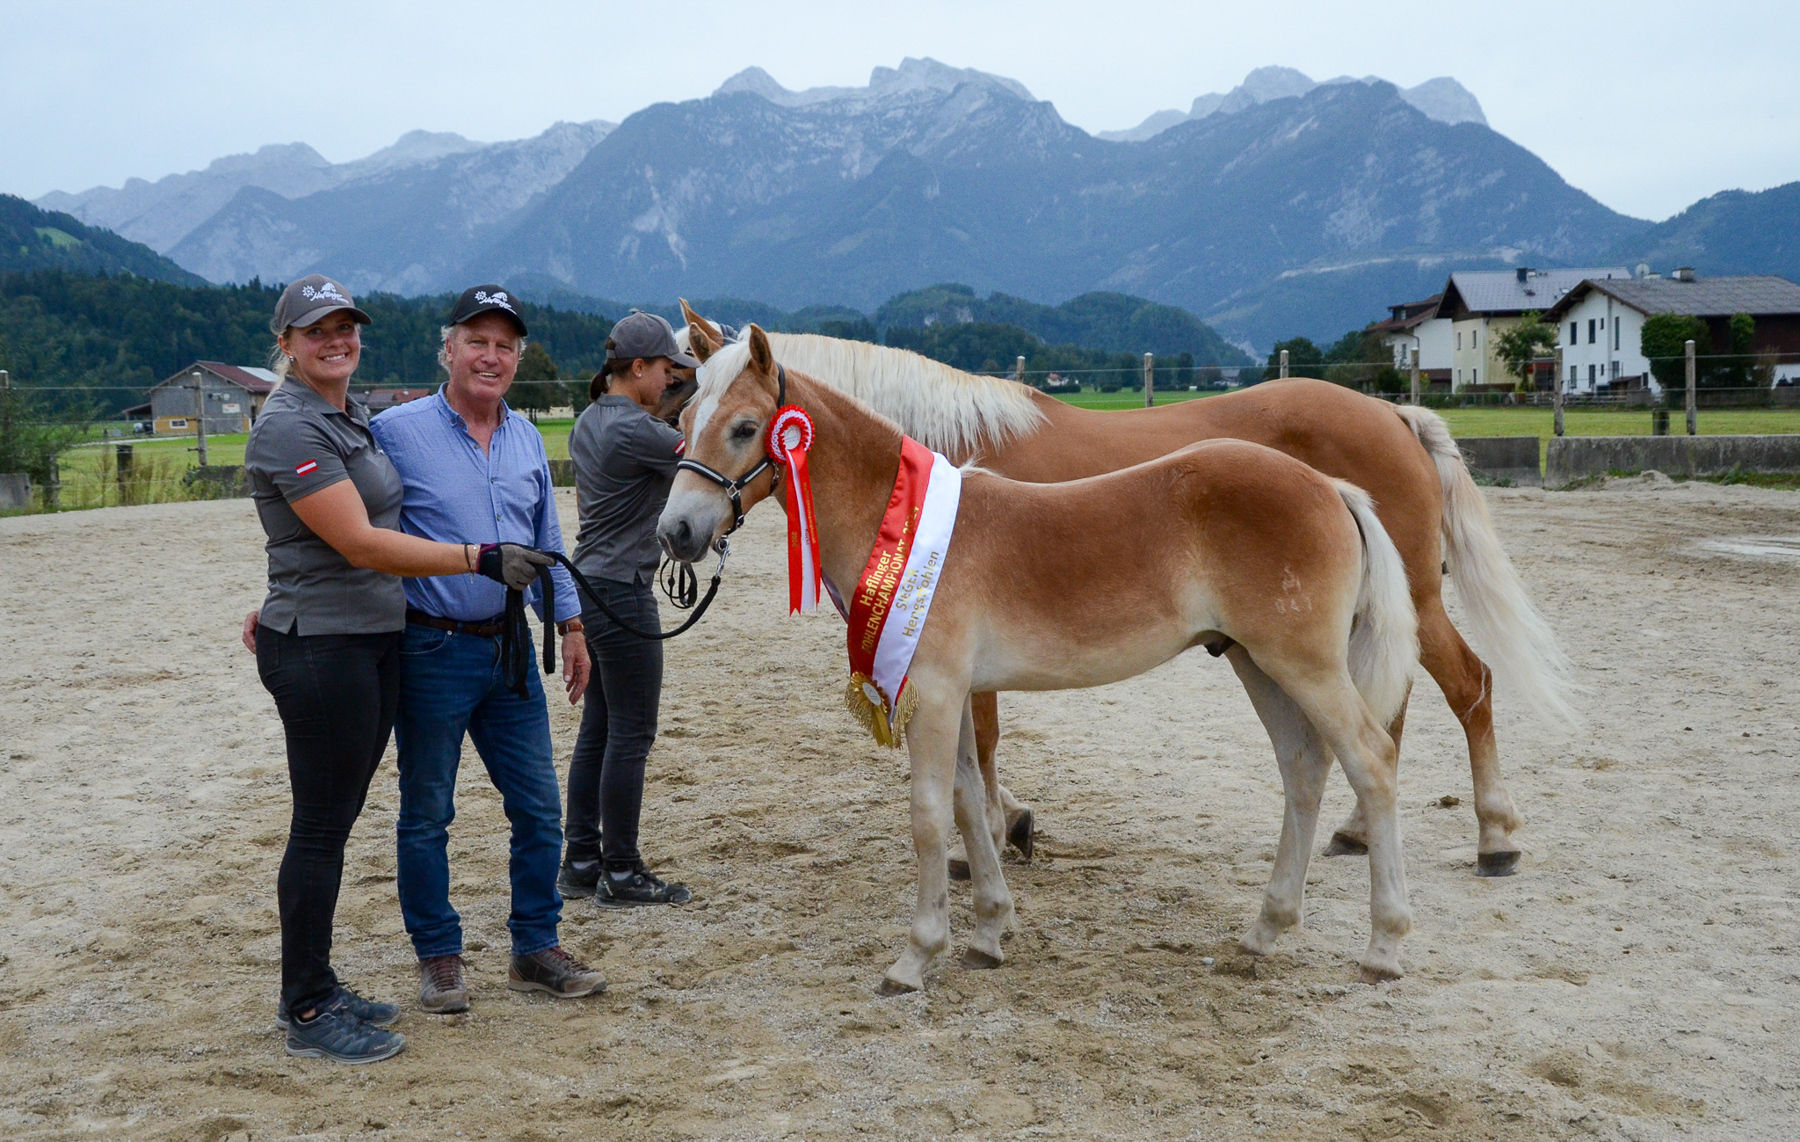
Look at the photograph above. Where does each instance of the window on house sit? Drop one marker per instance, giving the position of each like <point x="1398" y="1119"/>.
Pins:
<point x="1474" y="376"/>
<point x="1459" y="340"/>
<point x="1590" y="376"/>
<point x="1571" y="374"/>
<point x="1590" y="331"/>
<point x="1574" y="333"/>
<point x="1615" y="337"/>
<point x="1615" y="370"/>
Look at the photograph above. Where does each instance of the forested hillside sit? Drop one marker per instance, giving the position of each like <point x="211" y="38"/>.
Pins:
<point x="95" y="343"/>
<point x="34" y="239"/>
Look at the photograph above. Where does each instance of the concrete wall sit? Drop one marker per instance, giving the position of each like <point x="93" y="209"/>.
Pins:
<point x="1572" y="458"/>
<point x="1509" y="459"/>
<point x="15" y="491"/>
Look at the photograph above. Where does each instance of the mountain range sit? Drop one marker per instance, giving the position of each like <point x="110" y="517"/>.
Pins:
<point x="1284" y="206"/>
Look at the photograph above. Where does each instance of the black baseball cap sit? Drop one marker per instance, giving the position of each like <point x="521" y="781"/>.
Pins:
<point x="486" y="298"/>
<point x="309" y="299"/>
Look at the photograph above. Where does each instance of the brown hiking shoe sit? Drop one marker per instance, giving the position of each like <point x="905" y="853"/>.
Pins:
<point x="442" y="989"/>
<point x="555" y="971"/>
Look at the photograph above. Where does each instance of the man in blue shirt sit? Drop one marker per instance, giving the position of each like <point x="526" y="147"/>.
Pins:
<point x="475" y="470"/>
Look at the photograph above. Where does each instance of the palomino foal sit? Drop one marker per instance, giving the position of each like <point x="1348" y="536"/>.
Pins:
<point x="1225" y="544"/>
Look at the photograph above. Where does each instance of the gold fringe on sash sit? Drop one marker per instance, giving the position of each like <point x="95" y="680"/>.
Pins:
<point x="873" y="717"/>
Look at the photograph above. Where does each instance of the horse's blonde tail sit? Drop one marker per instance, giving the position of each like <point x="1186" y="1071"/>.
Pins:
<point x="1384" y="640"/>
<point x="1519" y="645"/>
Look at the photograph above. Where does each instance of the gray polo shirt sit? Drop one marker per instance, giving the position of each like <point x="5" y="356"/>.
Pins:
<point x="301" y="444"/>
<point x="624" y="463"/>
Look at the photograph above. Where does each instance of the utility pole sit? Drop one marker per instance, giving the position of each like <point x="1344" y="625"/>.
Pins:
<point x="1149" y="379"/>
<point x="1415" y="374"/>
<point x="1693" y="418"/>
<point x="200" y="404"/>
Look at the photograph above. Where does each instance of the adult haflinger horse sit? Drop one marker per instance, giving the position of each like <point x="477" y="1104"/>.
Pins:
<point x="956" y="581"/>
<point x="1403" y="457"/>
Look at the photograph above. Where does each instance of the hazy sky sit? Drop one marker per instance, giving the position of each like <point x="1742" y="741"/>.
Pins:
<point x="1648" y="106"/>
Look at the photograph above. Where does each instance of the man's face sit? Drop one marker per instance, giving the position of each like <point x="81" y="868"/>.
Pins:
<point x="484" y="355"/>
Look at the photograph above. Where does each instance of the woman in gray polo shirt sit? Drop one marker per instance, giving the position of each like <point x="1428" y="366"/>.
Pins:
<point x="327" y="639"/>
<point x="624" y="462"/>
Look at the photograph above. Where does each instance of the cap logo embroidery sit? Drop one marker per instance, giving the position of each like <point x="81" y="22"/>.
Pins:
<point x="498" y="297"/>
<point x="326" y="292"/>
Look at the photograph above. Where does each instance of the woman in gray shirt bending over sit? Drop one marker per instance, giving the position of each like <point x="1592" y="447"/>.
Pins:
<point x="624" y="463"/>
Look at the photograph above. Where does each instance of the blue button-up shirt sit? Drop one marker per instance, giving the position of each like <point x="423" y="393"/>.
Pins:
<point x="458" y="493"/>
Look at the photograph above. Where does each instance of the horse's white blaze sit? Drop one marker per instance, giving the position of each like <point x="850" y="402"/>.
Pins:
<point x="715" y="376"/>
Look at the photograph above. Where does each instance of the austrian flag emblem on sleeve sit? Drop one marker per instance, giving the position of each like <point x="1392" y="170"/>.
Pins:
<point x="307" y="468"/>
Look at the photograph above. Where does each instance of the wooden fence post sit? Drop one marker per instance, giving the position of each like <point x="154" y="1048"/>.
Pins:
<point x="1284" y="364"/>
<point x="1415" y="375"/>
<point x="1149" y="379"/>
<point x="1693" y="418"/>
<point x="1019" y="371"/>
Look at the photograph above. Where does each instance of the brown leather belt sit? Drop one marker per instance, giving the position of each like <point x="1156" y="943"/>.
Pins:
<point x="487" y="628"/>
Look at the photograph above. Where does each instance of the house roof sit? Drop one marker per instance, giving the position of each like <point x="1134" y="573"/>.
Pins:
<point x="1759" y="295"/>
<point x="1408" y="315"/>
<point x="247" y="377"/>
<point x="1517" y="290"/>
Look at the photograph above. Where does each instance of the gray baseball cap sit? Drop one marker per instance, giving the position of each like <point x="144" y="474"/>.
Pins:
<point x="640" y="334"/>
<point x="307" y="300"/>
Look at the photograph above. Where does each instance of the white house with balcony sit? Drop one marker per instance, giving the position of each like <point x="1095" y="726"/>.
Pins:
<point x="1600" y="325"/>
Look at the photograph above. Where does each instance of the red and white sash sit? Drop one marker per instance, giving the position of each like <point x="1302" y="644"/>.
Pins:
<point x="887" y="610"/>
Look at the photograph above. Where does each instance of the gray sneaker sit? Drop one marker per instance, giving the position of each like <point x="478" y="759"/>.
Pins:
<point x="442" y="988"/>
<point x="555" y="971"/>
<point x="370" y="1011"/>
<point x="336" y="1034"/>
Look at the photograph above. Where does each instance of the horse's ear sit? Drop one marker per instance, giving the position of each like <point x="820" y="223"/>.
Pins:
<point x="704" y="338"/>
<point x="761" y="356"/>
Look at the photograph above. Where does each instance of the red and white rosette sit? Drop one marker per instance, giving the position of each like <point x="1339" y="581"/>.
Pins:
<point x="790" y="436"/>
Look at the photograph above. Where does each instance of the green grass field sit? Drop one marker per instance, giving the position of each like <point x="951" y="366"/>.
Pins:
<point x="89" y="474"/>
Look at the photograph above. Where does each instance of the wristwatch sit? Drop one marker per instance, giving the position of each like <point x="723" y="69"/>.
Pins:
<point x="570" y="626"/>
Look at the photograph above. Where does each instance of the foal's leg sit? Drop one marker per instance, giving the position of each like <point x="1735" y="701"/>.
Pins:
<point x="1008" y="818"/>
<point x="1352" y="837"/>
<point x="1468" y="686"/>
<point x="993" y="903"/>
<point x="1008" y="811"/>
<point x="1304" y="764"/>
<point x="931" y="739"/>
<point x="1367" y="754"/>
<point x="1468" y="689"/>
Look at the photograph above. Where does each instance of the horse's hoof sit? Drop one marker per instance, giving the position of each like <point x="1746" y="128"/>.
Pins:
<point x="1020" y="834"/>
<point x="1497" y="864"/>
<point x="1343" y="845"/>
<point x="974" y="957"/>
<point x="1378" y="973"/>
<point x="959" y="868"/>
<point x="891" y="987"/>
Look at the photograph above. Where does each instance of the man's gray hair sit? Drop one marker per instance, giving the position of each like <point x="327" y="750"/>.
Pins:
<point x="444" y="333"/>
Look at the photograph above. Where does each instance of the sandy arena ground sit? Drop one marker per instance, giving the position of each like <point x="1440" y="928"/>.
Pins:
<point x="1638" y="979"/>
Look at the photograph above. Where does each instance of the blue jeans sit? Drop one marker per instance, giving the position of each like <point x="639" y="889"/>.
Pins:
<point x="451" y="684"/>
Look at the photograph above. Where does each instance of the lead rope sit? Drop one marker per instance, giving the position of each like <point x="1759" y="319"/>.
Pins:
<point x="587" y="589"/>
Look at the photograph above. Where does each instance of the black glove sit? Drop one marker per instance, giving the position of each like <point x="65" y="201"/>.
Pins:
<point x="513" y="564"/>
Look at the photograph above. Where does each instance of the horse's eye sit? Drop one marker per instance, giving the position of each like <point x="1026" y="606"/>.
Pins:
<point x="744" y="431"/>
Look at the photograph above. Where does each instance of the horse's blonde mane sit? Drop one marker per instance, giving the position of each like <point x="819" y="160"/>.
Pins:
<point x="945" y="409"/>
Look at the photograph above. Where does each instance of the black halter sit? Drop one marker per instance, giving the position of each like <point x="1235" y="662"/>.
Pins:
<point x="734" y="488"/>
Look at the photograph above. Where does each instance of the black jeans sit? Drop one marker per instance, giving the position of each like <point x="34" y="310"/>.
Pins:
<point x="337" y="694"/>
<point x="618" y="726"/>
